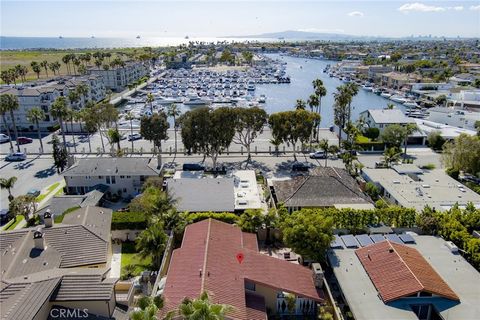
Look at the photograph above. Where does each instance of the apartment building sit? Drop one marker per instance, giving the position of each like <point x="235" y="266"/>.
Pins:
<point x="43" y="94"/>
<point x="118" y="78"/>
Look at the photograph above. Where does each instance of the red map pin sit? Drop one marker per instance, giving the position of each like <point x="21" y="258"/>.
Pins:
<point x="240" y="257"/>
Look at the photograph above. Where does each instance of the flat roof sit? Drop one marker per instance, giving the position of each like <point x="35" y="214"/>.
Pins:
<point x="435" y="188"/>
<point x="366" y="304"/>
<point x="446" y="131"/>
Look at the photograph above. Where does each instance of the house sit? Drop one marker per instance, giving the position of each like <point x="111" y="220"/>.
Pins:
<point x="454" y="117"/>
<point x="119" y="77"/>
<point x="197" y="192"/>
<point x="42" y="94"/>
<point x="207" y="261"/>
<point x="411" y="187"/>
<point x="420" y="278"/>
<point x="56" y="266"/>
<point x="396" y="80"/>
<point x="61" y="203"/>
<point x="114" y="176"/>
<point x="324" y="187"/>
<point x="381" y="118"/>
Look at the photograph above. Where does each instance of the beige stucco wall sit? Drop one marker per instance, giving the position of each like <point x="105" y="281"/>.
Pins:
<point x="270" y="296"/>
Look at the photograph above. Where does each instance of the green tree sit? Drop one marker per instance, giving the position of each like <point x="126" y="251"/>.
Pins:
<point x="435" y="140"/>
<point x="8" y="183"/>
<point x="59" y="154"/>
<point x="463" y="154"/>
<point x="325" y="147"/>
<point x="59" y="109"/>
<point x="154" y="129"/>
<point x="9" y="103"/>
<point x="320" y="92"/>
<point x="203" y="309"/>
<point x="44" y="64"/>
<point x="308" y="233"/>
<point x="251" y="220"/>
<point x="300" y="105"/>
<point x="35" y="115"/>
<point x="249" y="124"/>
<point x="372" y="133"/>
<point x="114" y="138"/>
<point x="148" y="308"/>
<point x="208" y="131"/>
<point x="394" y="135"/>
<point x="372" y="190"/>
<point x="342" y="107"/>
<point x="23" y="205"/>
<point x="151" y="243"/>
<point x="130" y="117"/>
<point x="292" y="127"/>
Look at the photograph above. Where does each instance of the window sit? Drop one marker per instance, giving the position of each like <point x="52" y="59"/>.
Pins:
<point x="107" y="178"/>
<point x="113" y="180"/>
<point x="122" y="177"/>
<point x="249" y="286"/>
<point x="100" y="177"/>
<point x="142" y="178"/>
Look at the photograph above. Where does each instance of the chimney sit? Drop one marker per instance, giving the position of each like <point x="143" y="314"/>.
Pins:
<point x="48" y="219"/>
<point x="38" y="239"/>
<point x="318" y="275"/>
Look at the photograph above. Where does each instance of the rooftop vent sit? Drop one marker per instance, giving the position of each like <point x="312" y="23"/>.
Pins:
<point x="48" y="219"/>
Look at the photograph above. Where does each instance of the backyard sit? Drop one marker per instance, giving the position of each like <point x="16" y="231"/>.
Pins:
<point x="132" y="263"/>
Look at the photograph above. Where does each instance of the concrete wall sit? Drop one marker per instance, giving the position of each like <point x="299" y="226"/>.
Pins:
<point x="125" y="235"/>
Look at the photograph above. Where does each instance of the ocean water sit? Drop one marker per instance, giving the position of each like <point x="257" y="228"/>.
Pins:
<point x="302" y="72"/>
<point x="21" y="43"/>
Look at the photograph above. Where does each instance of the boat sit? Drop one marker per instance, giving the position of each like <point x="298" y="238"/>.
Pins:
<point x="410" y="104"/>
<point x="138" y="37"/>
<point x="186" y="38"/>
<point x="385" y="95"/>
<point x="367" y="87"/>
<point x="60" y="37"/>
<point x="196" y="101"/>
<point x="398" y="98"/>
<point x="262" y="98"/>
<point x="251" y="87"/>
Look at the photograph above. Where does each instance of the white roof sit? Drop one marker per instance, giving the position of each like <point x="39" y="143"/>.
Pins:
<point x="389" y="116"/>
<point x="446" y="131"/>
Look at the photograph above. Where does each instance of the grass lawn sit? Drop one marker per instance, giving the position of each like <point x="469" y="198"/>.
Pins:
<point x="59" y="219"/>
<point x="14" y="224"/>
<point x="363" y="139"/>
<point x="49" y="190"/>
<point x="130" y="256"/>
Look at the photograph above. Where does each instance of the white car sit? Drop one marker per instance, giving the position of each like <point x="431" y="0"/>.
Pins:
<point x="17" y="156"/>
<point x="318" y="155"/>
<point x="4" y="138"/>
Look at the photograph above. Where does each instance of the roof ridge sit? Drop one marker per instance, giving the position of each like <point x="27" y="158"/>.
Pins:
<point x="406" y="265"/>
<point x="301" y="185"/>
<point x="17" y="256"/>
<point x="205" y="257"/>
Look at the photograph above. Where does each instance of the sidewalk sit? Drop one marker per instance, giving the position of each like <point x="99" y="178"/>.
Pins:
<point x="116" y="262"/>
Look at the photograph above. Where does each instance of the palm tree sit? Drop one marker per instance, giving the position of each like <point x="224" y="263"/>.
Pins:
<point x="325" y="148"/>
<point x="8" y="183"/>
<point x="151" y="243"/>
<point x="313" y="102"/>
<point x="203" y="309"/>
<point x="66" y="60"/>
<point x="59" y="110"/>
<point x="410" y="129"/>
<point x="9" y="103"/>
<point x="300" y="104"/>
<point x="36" y="68"/>
<point x="150" y="99"/>
<point x="148" y="308"/>
<point x="130" y="117"/>
<point x="44" y="64"/>
<point x="71" y="116"/>
<point x="174" y="112"/>
<point x="390" y="156"/>
<point x="320" y="92"/>
<point x="35" y="115"/>
<point x="82" y="91"/>
<point x="80" y="116"/>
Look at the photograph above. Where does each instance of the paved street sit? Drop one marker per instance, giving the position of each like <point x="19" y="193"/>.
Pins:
<point x="35" y="172"/>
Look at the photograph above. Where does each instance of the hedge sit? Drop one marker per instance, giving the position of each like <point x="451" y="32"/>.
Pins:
<point x="222" y="216"/>
<point x="129" y="220"/>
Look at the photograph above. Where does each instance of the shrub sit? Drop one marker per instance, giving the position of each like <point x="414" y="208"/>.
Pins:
<point x="453" y="173"/>
<point x="372" y="190"/>
<point x="435" y="140"/>
<point x="53" y="128"/>
<point x="428" y="166"/>
<point x="129" y="220"/>
<point x="381" y="204"/>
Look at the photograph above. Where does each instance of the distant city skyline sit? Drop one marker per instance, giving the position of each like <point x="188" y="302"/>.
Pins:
<point x="126" y="18"/>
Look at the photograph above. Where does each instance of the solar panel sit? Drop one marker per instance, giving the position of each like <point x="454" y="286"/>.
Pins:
<point x="405" y="237"/>
<point x="364" y="240"/>
<point x="394" y="238"/>
<point x="377" y="238"/>
<point x="349" y="241"/>
<point x="337" y="242"/>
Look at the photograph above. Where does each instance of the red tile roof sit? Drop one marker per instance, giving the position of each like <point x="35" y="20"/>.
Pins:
<point x="207" y="262"/>
<point x="397" y="271"/>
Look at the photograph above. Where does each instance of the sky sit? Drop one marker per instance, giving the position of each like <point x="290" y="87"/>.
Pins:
<point x="127" y="18"/>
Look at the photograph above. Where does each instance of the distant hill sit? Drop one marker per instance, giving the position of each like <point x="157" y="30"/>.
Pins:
<point x="303" y="35"/>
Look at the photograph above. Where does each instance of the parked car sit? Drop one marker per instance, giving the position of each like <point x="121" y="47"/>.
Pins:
<point x="33" y="192"/>
<point x="352" y="152"/>
<point x="135" y="136"/>
<point x="17" y="156"/>
<point x="4" y="138"/>
<point x="193" y="167"/>
<point x="24" y="140"/>
<point x="318" y="155"/>
<point x="300" y="166"/>
<point x="217" y="170"/>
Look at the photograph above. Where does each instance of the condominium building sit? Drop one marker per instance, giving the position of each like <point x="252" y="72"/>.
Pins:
<point x="43" y="94"/>
<point x="117" y="78"/>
